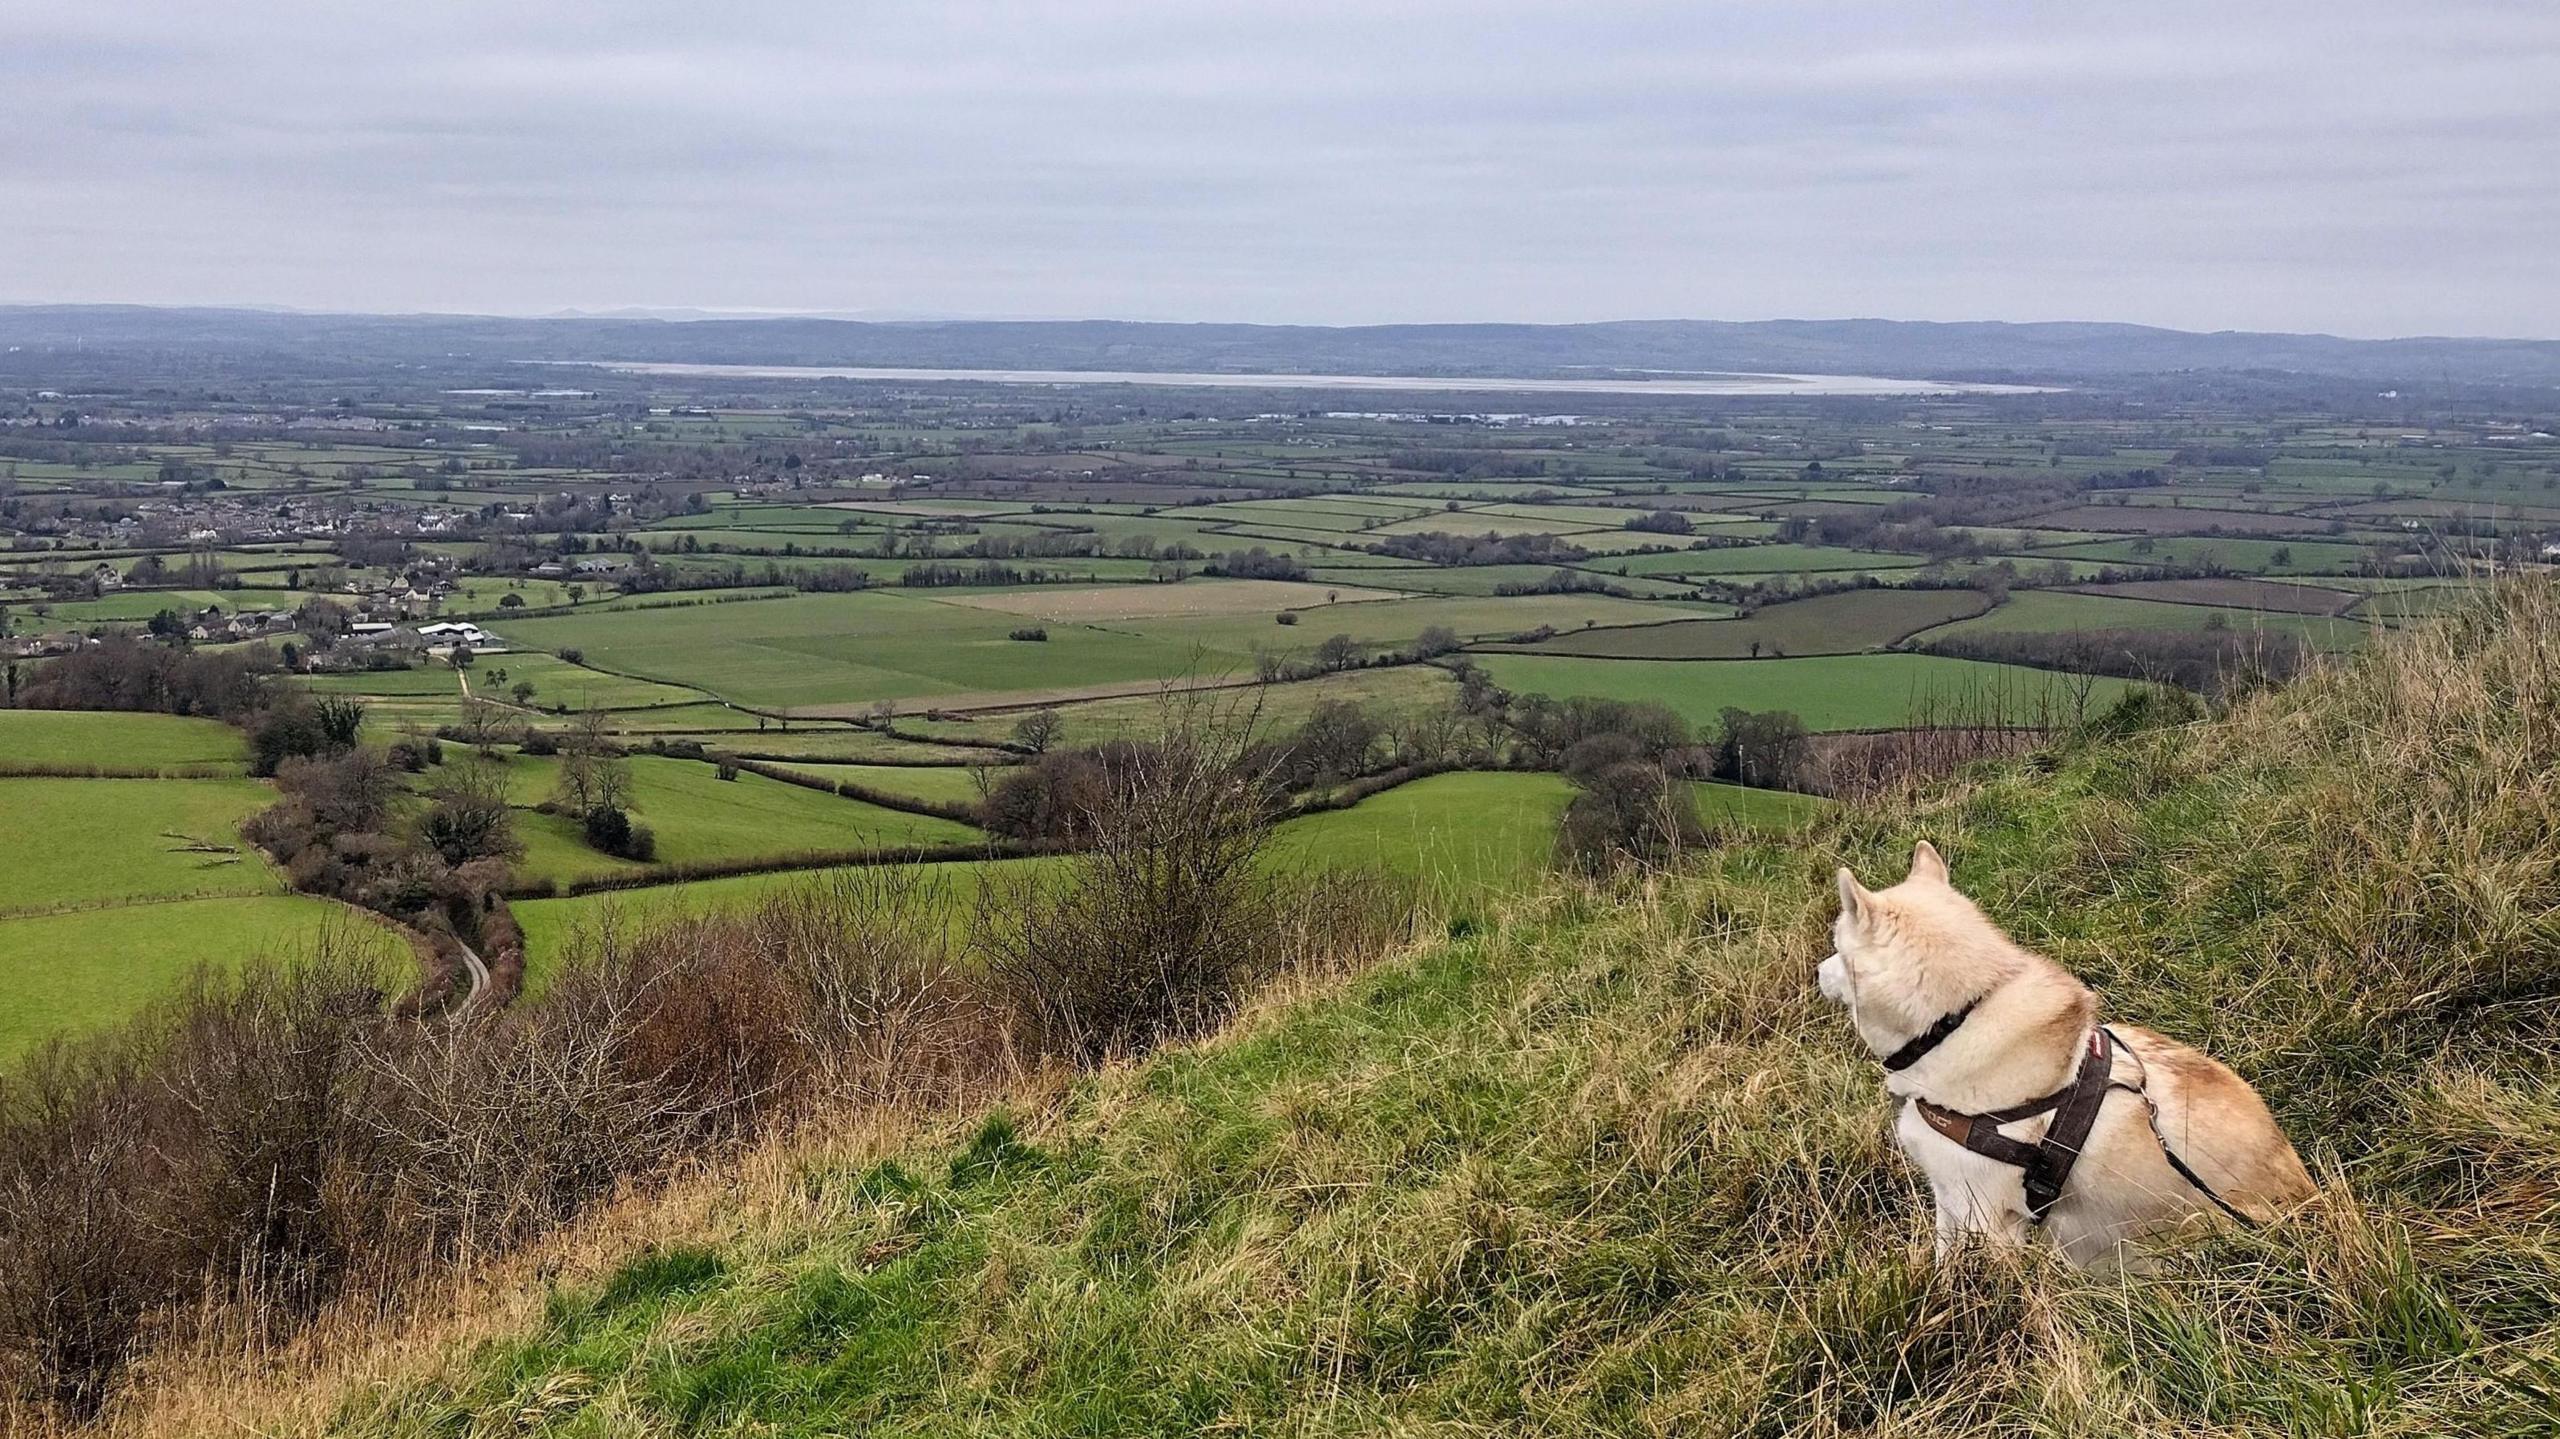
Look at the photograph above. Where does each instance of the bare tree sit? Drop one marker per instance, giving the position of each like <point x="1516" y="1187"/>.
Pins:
<point x="1039" y="729"/>
<point x="482" y="723"/>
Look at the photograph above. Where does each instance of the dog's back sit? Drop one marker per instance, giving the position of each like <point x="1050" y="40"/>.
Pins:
<point x="2219" y="1126"/>
<point x="2126" y="1189"/>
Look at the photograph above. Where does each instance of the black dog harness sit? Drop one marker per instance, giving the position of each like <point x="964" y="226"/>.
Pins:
<point x="2046" y="1164"/>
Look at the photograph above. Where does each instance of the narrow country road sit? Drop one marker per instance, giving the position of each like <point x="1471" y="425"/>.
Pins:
<point x="479" y="979"/>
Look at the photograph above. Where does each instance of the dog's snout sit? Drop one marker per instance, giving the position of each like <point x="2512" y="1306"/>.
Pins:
<point x="1832" y="976"/>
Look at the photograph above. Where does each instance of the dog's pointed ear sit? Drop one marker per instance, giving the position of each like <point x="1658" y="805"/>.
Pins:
<point x="1854" y="898"/>
<point x="1928" y="864"/>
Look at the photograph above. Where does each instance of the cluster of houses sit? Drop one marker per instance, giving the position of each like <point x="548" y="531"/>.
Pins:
<point x="440" y="638"/>
<point x="210" y="625"/>
<point x="242" y="517"/>
<point x="389" y="618"/>
<point x="580" y="566"/>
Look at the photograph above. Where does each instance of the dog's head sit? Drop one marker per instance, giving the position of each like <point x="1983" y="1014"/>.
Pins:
<point x="1904" y="955"/>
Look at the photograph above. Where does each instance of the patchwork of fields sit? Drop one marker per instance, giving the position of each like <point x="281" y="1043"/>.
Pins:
<point x="911" y="589"/>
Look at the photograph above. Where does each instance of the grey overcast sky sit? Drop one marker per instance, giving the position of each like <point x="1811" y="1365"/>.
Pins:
<point x="2353" y="166"/>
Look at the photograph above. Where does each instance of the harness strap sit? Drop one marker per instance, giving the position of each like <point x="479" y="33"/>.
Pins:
<point x="2046" y="1164"/>
<point x="2141" y="1088"/>
<point x="2071" y="1125"/>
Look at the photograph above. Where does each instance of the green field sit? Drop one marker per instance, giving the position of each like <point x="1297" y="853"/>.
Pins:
<point x="1472" y="523"/>
<point x="554" y="928"/>
<point x="2056" y="611"/>
<point x="84" y="969"/>
<point x="116" y="740"/>
<point x="699" y="817"/>
<point x="1387" y="623"/>
<point x="1456" y="833"/>
<point x="486" y="595"/>
<point x="557" y="684"/>
<point x="1729" y="560"/>
<point x="933" y="784"/>
<point x="814" y="740"/>
<point x="708" y="718"/>
<point x="1840" y="692"/>
<point x="435" y="680"/>
<point x="1469" y="834"/>
<point x="72" y="842"/>
<point x="1392" y="689"/>
<point x="1489" y="580"/>
<point x="2271" y="596"/>
<point x="560" y="684"/>
<point x="1845" y="623"/>
<point x="845" y="650"/>
<point x="2246" y="556"/>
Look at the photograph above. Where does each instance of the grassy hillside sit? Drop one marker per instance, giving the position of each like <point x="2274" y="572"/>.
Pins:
<point x="1608" y="1164"/>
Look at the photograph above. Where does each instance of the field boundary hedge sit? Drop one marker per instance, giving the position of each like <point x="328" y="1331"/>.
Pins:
<point x="848" y="789"/>
<point x="657" y="876"/>
<point x="605" y="605"/>
<point x="777" y="757"/>
<point x="1352" y="792"/>
<point x="68" y="769"/>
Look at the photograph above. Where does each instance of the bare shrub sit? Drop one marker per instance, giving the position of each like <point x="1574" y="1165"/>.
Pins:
<point x="470" y="819"/>
<point x="261" y="1144"/>
<point x="85" y="1272"/>
<point x="1625" y="810"/>
<point x="1172" y="912"/>
<point x="205" y="1151"/>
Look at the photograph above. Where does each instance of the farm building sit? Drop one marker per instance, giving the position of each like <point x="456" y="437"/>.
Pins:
<point x="445" y="634"/>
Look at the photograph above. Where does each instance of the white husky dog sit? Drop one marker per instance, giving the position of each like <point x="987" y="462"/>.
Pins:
<point x="2025" y="1111"/>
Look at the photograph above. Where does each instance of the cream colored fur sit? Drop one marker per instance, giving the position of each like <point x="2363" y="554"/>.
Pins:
<point x="1919" y="950"/>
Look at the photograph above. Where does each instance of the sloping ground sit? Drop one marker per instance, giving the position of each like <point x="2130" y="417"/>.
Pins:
<point x="1609" y="1165"/>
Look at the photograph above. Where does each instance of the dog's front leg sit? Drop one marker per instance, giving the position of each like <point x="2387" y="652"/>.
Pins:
<point x="1973" y="1218"/>
<point x="1979" y="1200"/>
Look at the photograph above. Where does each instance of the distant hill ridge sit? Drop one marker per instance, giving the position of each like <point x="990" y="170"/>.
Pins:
<point x="1900" y="348"/>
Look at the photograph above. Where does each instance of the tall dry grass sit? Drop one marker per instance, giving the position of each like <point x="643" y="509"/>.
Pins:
<point x="262" y="1147"/>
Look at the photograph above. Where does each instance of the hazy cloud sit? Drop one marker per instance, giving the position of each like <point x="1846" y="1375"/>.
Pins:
<point x="2347" y="165"/>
